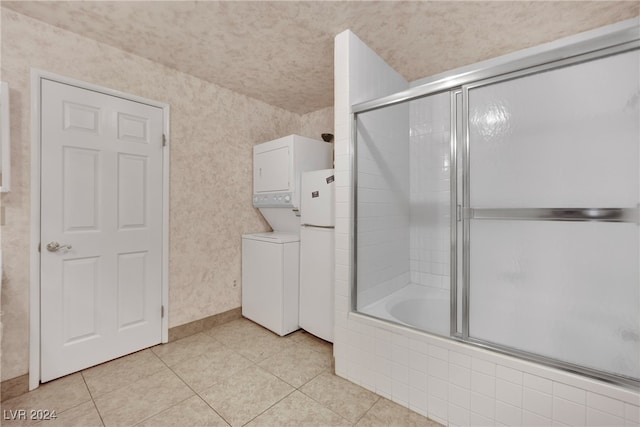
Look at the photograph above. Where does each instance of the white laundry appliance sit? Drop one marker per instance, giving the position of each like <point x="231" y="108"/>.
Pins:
<point x="270" y="280"/>
<point x="277" y="166"/>
<point x="317" y="253"/>
<point x="270" y="261"/>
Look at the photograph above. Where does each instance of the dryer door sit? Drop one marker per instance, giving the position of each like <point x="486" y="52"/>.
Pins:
<point x="271" y="170"/>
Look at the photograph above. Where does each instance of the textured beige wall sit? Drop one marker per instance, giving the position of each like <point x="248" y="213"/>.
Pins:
<point x="212" y="132"/>
<point x="313" y="125"/>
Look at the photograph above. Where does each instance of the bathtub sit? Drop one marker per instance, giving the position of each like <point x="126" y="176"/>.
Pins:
<point x="421" y="307"/>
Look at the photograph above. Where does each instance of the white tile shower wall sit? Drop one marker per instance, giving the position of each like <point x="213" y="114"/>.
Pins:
<point x="450" y="382"/>
<point x="430" y="159"/>
<point x="370" y="78"/>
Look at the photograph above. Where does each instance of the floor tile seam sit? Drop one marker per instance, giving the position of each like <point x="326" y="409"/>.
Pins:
<point x="272" y="405"/>
<point x="122" y="359"/>
<point x="325" y="406"/>
<point x="329" y="409"/>
<point x="238" y="348"/>
<point x="101" y="395"/>
<point x="92" y="398"/>
<point x="311" y="379"/>
<point x="176" y="363"/>
<point x="231" y="375"/>
<point x="66" y="410"/>
<point x="191" y="356"/>
<point x="280" y="378"/>
<point x="4" y="403"/>
<point x="84" y="380"/>
<point x="208" y="386"/>
<point x="183" y="380"/>
<point x="378" y="397"/>
<point x="98" y="412"/>
<point x="197" y="393"/>
<point x="83" y="371"/>
<point x="324" y="370"/>
<point x="212" y="408"/>
<point x="172" y="366"/>
<point x="212" y="385"/>
<point x="161" y="411"/>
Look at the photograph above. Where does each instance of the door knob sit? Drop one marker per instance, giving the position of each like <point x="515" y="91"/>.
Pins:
<point x="55" y="246"/>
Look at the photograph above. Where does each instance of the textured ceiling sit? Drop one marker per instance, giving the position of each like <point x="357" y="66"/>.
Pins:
<point x="282" y="52"/>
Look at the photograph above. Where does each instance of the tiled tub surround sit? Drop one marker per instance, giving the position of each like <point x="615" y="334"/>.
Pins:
<point x="234" y="374"/>
<point x="451" y="382"/>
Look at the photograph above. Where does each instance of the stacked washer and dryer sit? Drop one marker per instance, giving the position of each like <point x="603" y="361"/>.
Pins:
<point x="273" y="294"/>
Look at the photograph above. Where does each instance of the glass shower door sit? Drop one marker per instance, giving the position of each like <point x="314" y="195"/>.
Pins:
<point x="551" y="196"/>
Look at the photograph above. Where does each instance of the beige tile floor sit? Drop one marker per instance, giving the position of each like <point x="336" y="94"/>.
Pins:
<point x="234" y="374"/>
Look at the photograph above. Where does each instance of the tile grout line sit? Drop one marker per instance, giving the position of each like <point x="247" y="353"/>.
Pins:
<point x="205" y="400"/>
<point x="378" y="397"/>
<point x="190" y="388"/>
<point x="127" y="385"/>
<point x="274" y="404"/>
<point x="255" y="364"/>
<point x="324" y="406"/>
<point x="122" y="357"/>
<point x="294" y="388"/>
<point x="237" y="354"/>
<point x="299" y="342"/>
<point x="165" y="409"/>
<point x="320" y="403"/>
<point x="92" y="398"/>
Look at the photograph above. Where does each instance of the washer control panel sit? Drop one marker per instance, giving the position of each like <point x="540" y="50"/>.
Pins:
<point x="273" y="200"/>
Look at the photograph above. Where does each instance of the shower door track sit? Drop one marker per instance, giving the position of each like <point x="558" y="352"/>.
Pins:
<point x="555" y="363"/>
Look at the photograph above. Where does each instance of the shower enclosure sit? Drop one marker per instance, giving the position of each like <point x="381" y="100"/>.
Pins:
<point x="501" y="209"/>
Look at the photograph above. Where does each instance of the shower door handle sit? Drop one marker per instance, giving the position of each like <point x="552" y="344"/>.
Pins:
<point x="558" y="214"/>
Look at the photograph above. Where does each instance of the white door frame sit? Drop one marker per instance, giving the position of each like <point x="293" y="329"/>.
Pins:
<point x="34" y="286"/>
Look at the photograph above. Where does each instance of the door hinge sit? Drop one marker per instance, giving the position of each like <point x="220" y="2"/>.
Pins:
<point x="162" y="311"/>
<point x="164" y="140"/>
<point x="39" y="244"/>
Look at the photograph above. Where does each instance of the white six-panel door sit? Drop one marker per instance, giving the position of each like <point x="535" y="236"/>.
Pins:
<point x="101" y="227"/>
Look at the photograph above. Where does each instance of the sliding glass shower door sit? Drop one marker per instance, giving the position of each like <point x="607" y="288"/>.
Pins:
<point x="550" y="213"/>
<point x="503" y="210"/>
